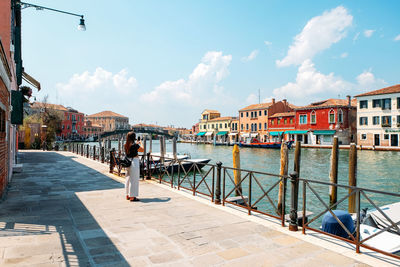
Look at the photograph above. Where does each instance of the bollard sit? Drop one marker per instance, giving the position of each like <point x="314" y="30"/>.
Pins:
<point x="352" y="176"/>
<point x="333" y="173"/>
<point x="237" y="173"/>
<point x="294" y="200"/>
<point x="112" y="163"/>
<point x="282" y="184"/>
<point x="218" y="184"/>
<point x="148" y="167"/>
<point x="102" y="154"/>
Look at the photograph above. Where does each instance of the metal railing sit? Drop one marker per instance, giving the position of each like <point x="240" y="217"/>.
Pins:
<point x="258" y="192"/>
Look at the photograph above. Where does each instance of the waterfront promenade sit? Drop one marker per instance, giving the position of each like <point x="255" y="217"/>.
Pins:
<point x="66" y="210"/>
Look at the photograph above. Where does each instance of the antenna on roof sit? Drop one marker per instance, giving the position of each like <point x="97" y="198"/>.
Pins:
<point x="259" y="96"/>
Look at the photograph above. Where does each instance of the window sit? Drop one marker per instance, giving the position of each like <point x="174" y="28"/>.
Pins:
<point x="265" y="126"/>
<point x="220" y="125"/>
<point x="285" y="121"/>
<point x="376" y="103"/>
<point x="67" y="117"/>
<point x="241" y="114"/>
<point x="363" y="136"/>
<point x="386" y="121"/>
<point x="247" y="126"/>
<point x="313" y="117"/>
<point x="259" y="113"/>
<point x="398" y="120"/>
<point x="363" y="120"/>
<point x="255" y="114"/>
<point x="251" y="114"/>
<point x="340" y="116"/>
<point x="375" y="120"/>
<point x="208" y="126"/>
<point x="398" y="103"/>
<point x="331" y="116"/>
<point x="363" y="104"/>
<point x="212" y="126"/>
<point x="386" y="137"/>
<point x="291" y="121"/>
<point x="279" y="121"/>
<point x="387" y="103"/>
<point x="259" y="126"/>
<point x="272" y="122"/>
<point x="252" y="127"/>
<point x="265" y="111"/>
<point x="226" y="125"/>
<point x="67" y="127"/>
<point x="255" y="126"/>
<point x="63" y="126"/>
<point x="303" y="119"/>
<point x="247" y="114"/>
<point x="241" y="126"/>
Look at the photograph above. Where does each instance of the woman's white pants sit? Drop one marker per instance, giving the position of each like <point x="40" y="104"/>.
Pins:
<point x="132" y="179"/>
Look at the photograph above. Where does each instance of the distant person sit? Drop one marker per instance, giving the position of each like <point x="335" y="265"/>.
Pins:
<point x="132" y="147"/>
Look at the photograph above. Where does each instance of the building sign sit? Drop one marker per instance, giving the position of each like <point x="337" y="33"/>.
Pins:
<point x="392" y="130"/>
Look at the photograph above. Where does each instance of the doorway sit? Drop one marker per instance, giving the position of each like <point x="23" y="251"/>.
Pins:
<point x="377" y="140"/>
<point x="394" y="140"/>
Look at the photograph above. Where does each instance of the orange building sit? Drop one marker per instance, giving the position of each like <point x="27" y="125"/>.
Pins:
<point x="253" y="119"/>
<point x="110" y="121"/>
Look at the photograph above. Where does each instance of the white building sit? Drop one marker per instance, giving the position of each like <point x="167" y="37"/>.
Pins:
<point x="378" y="117"/>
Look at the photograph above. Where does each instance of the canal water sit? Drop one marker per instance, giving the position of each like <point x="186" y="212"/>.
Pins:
<point x="377" y="170"/>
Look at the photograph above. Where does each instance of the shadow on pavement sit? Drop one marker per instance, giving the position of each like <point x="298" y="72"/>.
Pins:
<point x="155" y="199"/>
<point x="42" y="204"/>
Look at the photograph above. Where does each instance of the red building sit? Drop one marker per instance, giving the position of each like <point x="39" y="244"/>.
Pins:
<point x="73" y="124"/>
<point x="282" y="123"/>
<point x="318" y="122"/>
<point x="91" y="130"/>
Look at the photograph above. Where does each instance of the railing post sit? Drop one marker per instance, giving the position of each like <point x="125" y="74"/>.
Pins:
<point x="358" y="204"/>
<point x="94" y="152"/>
<point x="218" y="184"/>
<point x="87" y="151"/>
<point x="73" y="148"/>
<point x="352" y="176"/>
<point x="333" y="174"/>
<point x="249" y="200"/>
<point x="102" y="154"/>
<point x="112" y="163"/>
<point x="293" y="225"/>
<point x="148" y="166"/>
<point x="82" y="150"/>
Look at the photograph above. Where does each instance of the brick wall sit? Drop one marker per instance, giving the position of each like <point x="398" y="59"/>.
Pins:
<point x="4" y="99"/>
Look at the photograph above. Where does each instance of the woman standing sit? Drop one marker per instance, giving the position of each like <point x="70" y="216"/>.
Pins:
<point x="132" y="177"/>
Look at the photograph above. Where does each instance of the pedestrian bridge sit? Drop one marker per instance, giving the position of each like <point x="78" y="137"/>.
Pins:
<point x="147" y="130"/>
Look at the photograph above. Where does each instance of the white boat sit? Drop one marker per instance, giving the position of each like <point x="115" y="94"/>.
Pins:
<point x="168" y="156"/>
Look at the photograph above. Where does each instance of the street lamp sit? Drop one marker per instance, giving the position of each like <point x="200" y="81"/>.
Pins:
<point x="81" y="25"/>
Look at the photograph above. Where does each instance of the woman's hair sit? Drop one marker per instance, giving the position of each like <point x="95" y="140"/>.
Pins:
<point x="130" y="139"/>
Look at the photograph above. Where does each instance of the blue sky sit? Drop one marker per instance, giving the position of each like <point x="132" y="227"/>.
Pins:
<point x="166" y="61"/>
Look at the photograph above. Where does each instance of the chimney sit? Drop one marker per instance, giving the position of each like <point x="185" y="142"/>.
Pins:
<point x="349" y="100"/>
<point x="284" y="101"/>
<point x="273" y="100"/>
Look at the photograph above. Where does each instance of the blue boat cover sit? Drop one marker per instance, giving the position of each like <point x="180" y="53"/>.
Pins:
<point x="332" y="226"/>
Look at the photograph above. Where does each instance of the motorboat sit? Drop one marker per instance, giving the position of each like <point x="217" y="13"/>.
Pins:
<point x="255" y="143"/>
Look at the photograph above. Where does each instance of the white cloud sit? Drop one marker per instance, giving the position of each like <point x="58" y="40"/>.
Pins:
<point x="368" y="33"/>
<point x="311" y="85"/>
<point x="344" y="55"/>
<point x="319" y="34"/>
<point x="367" y="81"/>
<point x="267" y="43"/>
<point x="250" y="57"/>
<point x="252" y="99"/>
<point x="310" y="82"/>
<point x="397" y="38"/>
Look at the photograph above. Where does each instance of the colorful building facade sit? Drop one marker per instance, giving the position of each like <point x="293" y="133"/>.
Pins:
<point x="110" y="121"/>
<point x="378" y="117"/>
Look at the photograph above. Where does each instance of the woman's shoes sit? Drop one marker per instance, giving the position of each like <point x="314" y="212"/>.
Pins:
<point x="127" y="197"/>
<point x="134" y="199"/>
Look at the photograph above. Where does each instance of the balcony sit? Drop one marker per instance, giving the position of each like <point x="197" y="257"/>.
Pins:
<point x="386" y="125"/>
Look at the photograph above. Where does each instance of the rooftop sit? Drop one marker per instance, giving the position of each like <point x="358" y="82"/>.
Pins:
<point x="329" y="103"/>
<point x="38" y="105"/>
<point x="107" y="113"/>
<point x="221" y="119"/>
<point x="210" y="111"/>
<point x="257" y="106"/>
<point x="283" y="114"/>
<point x="387" y="90"/>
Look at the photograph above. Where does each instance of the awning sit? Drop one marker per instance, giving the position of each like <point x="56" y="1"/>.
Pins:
<point x="275" y="133"/>
<point x="232" y="134"/>
<point x="209" y="133"/>
<point x="254" y="134"/>
<point x="222" y="133"/>
<point x="245" y="135"/>
<point x="201" y="133"/>
<point x="31" y="80"/>
<point x="324" y="132"/>
<point x="297" y="132"/>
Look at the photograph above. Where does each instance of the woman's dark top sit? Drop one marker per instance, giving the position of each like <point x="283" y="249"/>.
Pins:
<point x="133" y="151"/>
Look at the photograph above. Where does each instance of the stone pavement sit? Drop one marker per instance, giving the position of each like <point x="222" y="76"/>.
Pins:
<point x="65" y="210"/>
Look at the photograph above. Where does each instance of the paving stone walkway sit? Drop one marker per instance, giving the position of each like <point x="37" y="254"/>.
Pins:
<point x="63" y="210"/>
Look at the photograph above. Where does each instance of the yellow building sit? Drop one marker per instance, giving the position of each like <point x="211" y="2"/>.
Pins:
<point x="213" y="125"/>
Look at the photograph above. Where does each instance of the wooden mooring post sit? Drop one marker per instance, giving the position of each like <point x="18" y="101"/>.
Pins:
<point x="294" y="179"/>
<point x="237" y="175"/>
<point x="218" y="184"/>
<point x="333" y="174"/>
<point x="282" y="185"/>
<point x="352" y="176"/>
